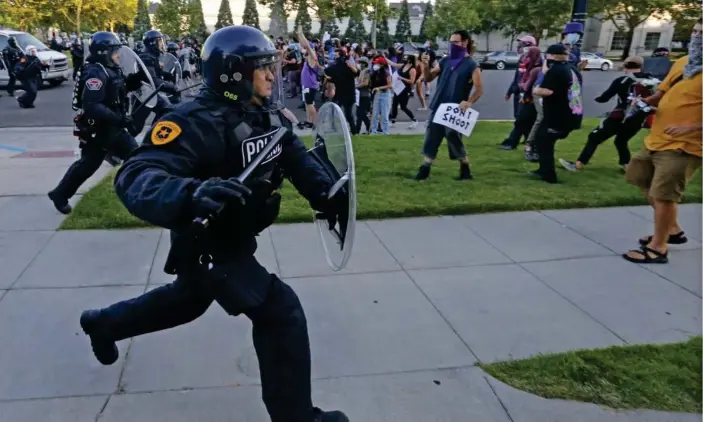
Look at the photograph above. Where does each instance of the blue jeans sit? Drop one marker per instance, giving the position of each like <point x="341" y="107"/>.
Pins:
<point x="381" y="108"/>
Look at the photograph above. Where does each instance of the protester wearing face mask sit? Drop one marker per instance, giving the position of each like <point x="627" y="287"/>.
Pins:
<point x="527" y="114"/>
<point x="560" y="91"/>
<point x="615" y="124"/>
<point x="363" y="85"/>
<point x="459" y="82"/>
<point x="381" y="90"/>
<point x="292" y="68"/>
<point x="524" y="43"/>
<point x="672" y="151"/>
<point x="406" y="74"/>
<point x="659" y="63"/>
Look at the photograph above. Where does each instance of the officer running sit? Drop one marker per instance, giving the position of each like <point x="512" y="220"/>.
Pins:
<point x="154" y="47"/>
<point x="101" y="94"/>
<point x="28" y="71"/>
<point x="11" y="56"/>
<point x="185" y="169"/>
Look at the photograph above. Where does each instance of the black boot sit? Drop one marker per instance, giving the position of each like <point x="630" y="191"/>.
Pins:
<point x="333" y="416"/>
<point x="60" y="204"/>
<point x="423" y="173"/>
<point x="464" y="172"/>
<point x="104" y="349"/>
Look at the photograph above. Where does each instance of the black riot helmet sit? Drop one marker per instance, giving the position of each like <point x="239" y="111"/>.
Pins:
<point x="12" y="42"/>
<point x="103" y="45"/>
<point x="172" y="48"/>
<point x="154" y="41"/>
<point x="230" y="57"/>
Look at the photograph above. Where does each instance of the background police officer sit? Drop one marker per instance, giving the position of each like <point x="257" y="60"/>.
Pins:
<point x="185" y="169"/>
<point x="28" y="71"/>
<point x="101" y="94"/>
<point x="11" y="56"/>
<point x="154" y="47"/>
<point x="77" y="56"/>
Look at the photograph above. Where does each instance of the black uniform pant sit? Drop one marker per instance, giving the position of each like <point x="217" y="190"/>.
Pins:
<point x="402" y="101"/>
<point x="623" y="132"/>
<point x="121" y="144"/>
<point x="347" y="107"/>
<point x="240" y="285"/>
<point x="77" y="63"/>
<point x="545" y="140"/>
<point x="30" y="86"/>
<point x="435" y="134"/>
<point x="526" y="116"/>
<point x="11" y="82"/>
<point x="362" y="115"/>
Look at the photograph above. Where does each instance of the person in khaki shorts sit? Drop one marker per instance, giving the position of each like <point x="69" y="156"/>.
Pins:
<point x="671" y="153"/>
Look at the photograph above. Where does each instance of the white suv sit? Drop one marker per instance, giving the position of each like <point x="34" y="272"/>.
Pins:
<point x="58" y="62"/>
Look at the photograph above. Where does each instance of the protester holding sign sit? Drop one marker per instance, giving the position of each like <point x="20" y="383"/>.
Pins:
<point x="459" y="75"/>
<point x="560" y="91"/>
<point x="406" y="75"/>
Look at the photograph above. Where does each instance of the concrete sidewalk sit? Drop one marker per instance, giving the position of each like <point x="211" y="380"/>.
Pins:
<point x="394" y="337"/>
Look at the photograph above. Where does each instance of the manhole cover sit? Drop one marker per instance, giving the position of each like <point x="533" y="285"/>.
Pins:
<point x="46" y="154"/>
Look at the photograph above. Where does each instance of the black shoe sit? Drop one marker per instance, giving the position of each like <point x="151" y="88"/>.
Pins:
<point x="464" y="172"/>
<point x="423" y="173"/>
<point x="60" y="204"/>
<point x="104" y="349"/>
<point x="507" y="147"/>
<point x="333" y="416"/>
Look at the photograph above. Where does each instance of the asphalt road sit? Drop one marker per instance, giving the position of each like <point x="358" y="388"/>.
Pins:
<point x="53" y="105"/>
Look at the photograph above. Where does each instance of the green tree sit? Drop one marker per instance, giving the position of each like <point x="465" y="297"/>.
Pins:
<point x="532" y="16"/>
<point x="196" y="21"/>
<point x="279" y="19"/>
<point x="303" y="18"/>
<point x="331" y="27"/>
<point x="423" y="26"/>
<point x="25" y="15"/>
<point x="402" y="28"/>
<point x="629" y="14"/>
<point x="684" y="14"/>
<point x="168" y="17"/>
<point x="359" y="31"/>
<point x="224" y="15"/>
<point x="383" y="35"/>
<point x="142" y="22"/>
<point x="451" y="15"/>
<point x="251" y="15"/>
<point x="349" y="32"/>
<point x="488" y="23"/>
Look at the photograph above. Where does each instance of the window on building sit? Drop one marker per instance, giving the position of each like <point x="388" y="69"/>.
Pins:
<point x="619" y="41"/>
<point x="651" y="40"/>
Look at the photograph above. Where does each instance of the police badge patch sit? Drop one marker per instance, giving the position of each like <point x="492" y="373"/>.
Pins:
<point x="94" y="84"/>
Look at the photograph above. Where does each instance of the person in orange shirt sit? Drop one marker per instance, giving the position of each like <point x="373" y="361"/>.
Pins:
<point x="671" y="153"/>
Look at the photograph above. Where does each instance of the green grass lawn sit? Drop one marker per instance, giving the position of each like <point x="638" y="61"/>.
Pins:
<point x="664" y="377"/>
<point x="385" y="166"/>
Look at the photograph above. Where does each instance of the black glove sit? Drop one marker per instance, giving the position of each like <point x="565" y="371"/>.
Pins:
<point x="212" y="195"/>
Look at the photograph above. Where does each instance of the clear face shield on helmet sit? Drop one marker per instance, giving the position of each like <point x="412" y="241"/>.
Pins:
<point x="161" y="44"/>
<point x="267" y="81"/>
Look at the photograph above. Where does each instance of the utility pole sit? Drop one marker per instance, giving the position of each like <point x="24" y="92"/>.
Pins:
<point x="374" y="25"/>
<point x="579" y="14"/>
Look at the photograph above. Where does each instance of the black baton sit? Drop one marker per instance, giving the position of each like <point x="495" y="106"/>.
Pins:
<point x="201" y="223"/>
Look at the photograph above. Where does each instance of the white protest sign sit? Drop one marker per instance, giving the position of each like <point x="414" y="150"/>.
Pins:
<point x="451" y="116"/>
<point x="397" y="84"/>
<point x="358" y="95"/>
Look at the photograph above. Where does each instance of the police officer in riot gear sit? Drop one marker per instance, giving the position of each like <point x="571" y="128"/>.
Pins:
<point x="28" y="71"/>
<point x="100" y="99"/>
<point x="77" y="55"/>
<point x="186" y="169"/>
<point x="172" y="48"/>
<point x="154" y="46"/>
<point x="11" y="56"/>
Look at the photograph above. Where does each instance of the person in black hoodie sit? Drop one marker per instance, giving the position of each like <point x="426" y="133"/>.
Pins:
<point x="12" y="54"/>
<point x="615" y="124"/>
